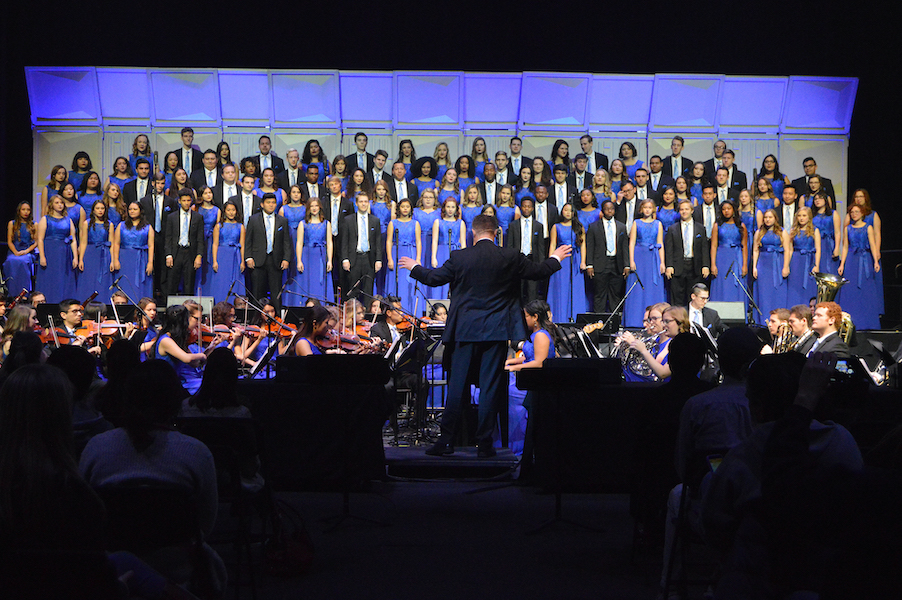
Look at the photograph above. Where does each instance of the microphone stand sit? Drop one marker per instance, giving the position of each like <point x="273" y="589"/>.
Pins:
<point x="127" y="297"/>
<point x="619" y="306"/>
<point x="752" y="306"/>
<point x="273" y="342"/>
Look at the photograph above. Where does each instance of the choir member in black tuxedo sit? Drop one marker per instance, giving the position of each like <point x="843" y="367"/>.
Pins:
<point x="526" y="236"/>
<point x="786" y="210"/>
<point x="504" y="173"/>
<point x="485" y="313"/>
<point x="228" y="186"/>
<point x="136" y="189"/>
<point x="311" y="188"/>
<point x="738" y="179"/>
<point x="546" y="213"/>
<point x="517" y="160"/>
<point x="628" y="208"/>
<point x="580" y="178"/>
<point x="706" y="213"/>
<point x="722" y="188"/>
<point x="267" y="244"/>
<point x="208" y="175"/>
<point x="801" y="184"/>
<point x="266" y="159"/>
<point x="399" y="187"/>
<point x="246" y="200"/>
<point x="360" y="158"/>
<point x="658" y="179"/>
<point x="157" y="207"/>
<point x="335" y="208"/>
<point x="361" y="247"/>
<point x="677" y="164"/>
<point x="595" y="160"/>
<point x="185" y="245"/>
<point x="687" y="255"/>
<point x="293" y="174"/>
<point x="643" y="187"/>
<point x="489" y="186"/>
<point x="562" y="190"/>
<point x="190" y="158"/>
<point x="377" y="172"/>
<point x="712" y="164"/>
<point x="607" y="258"/>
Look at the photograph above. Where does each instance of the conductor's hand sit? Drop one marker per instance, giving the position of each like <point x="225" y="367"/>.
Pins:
<point x="407" y="262"/>
<point x="563" y="252"/>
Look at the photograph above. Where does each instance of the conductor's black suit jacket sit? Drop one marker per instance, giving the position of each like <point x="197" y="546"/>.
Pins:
<point x="485" y="291"/>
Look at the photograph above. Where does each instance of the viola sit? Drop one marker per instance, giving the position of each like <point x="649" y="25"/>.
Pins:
<point x="408" y="323"/>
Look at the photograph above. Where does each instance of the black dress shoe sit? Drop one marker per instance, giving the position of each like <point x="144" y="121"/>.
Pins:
<point x="485" y="452"/>
<point x="440" y="449"/>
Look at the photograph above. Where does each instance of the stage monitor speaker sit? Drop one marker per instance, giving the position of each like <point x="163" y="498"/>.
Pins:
<point x="206" y="302"/>
<point x="731" y="313"/>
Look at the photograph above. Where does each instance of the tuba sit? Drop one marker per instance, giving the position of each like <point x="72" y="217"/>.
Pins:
<point x="827" y="287"/>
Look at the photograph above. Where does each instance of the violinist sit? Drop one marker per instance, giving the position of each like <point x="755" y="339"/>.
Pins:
<point x="390" y="330"/>
<point x="397" y="327"/>
<point x="223" y="321"/>
<point x="439" y="312"/>
<point x="149" y="306"/>
<point x="172" y="345"/>
<point x="72" y="313"/>
<point x="119" y="297"/>
<point x="21" y="318"/>
<point x="313" y="330"/>
<point x="255" y="346"/>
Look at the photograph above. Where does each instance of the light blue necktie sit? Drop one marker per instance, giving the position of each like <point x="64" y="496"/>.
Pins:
<point x="269" y="234"/>
<point x="183" y="236"/>
<point x="526" y="241"/>
<point x="334" y="217"/>
<point x="610" y="237"/>
<point x="362" y="233"/>
<point x="687" y="241"/>
<point x="187" y="162"/>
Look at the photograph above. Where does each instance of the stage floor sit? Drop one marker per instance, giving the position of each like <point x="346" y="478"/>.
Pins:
<point x="412" y="462"/>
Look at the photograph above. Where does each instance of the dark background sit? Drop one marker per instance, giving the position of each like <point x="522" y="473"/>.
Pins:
<point x="699" y="37"/>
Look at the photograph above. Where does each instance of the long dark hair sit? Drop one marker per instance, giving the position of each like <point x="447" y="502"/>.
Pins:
<point x="540" y="310"/>
<point x="83" y="187"/>
<point x="319" y="314"/>
<point x="142" y="222"/>
<point x="575" y="224"/>
<point x="219" y="387"/>
<point x="175" y="323"/>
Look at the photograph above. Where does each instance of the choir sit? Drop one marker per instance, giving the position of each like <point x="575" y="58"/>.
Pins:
<point x="183" y="226"/>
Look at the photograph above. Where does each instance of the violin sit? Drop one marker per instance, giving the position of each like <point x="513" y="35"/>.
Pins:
<point x="208" y="334"/>
<point x="408" y="323"/>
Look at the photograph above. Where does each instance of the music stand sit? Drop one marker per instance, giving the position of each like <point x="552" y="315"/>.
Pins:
<point x="296" y="315"/>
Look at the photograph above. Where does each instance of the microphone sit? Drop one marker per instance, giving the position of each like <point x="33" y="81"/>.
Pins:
<point x="636" y="273"/>
<point x="231" y="287"/>
<point x="354" y="287"/>
<point x="116" y="283"/>
<point x="730" y="270"/>
<point x="279" y="295"/>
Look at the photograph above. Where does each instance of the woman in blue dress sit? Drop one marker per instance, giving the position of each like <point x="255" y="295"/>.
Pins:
<point x="681" y="187"/>
<point x="862" y="198"/>
<point x="73" y="208"/>
<point x="95" y="262"/>
<point x="471" y="207"/>
<point x="115" y="202"/>
<point x="122" y="172"/>
<point x="294" y="211"/>
<point x="173" y="347"/>
<point x="178" y="183"/>
<point x="862" y="297"/>
<point x="224" y="154"/>
<point x="806" y="258"/>
<point x="588" y="211"/>
<point x="423" y="174"/>
<point x="646" y="261"/>
<point x="140" y="149"/>
<point x="770" y="170"/>
<point x="357" y="184"/>
<point x="466" y="171"/>
<point x="228" y="253"/>
<point x="58" y="253"/>
<point x="540" y="344"/>
<point x="617" y="175"/>
<point x="340" y="170"/>
<point x="560" y="155"/>
<point x="248" y="167"/>
<point x="210" y="214"/>
<point x="541" y="173"/>
<point x="630" y="157"/>
<point x="771" y="254"/>
<point x="133" y="244"/>
<point x="426" y="213"/>
<point x="747" y="214"/>
<point x="313" y="155"/>
<point x="729" y="249"/>
<point x="316" y="326"/>
<point x="384" y="208"/>
<point x="490" y="210"/>
<point x="407" y="155"/>
<point x="814" y="186"/>
<point x="764" y="199"/>
<point x="524" y="185"/>
<point x="21" y="238"/>
<point x="506" y="212"/>
<point x="58" y="176"/>
<point x="442" y="156"/>
<point x="448" y="234"/>
<point x="314" y="256"/>
<point x="668" y="213"/>
<point x="269" y="185"/>
<point x="450" y="186"/>
<point x="170" y="166"/>
<point x="567" y="286"/>
<point x="601" y="187"/>
<point x="676" y="321"/>
<point x="480" y="155"/>
<point x="697" y="181"/>
<point x="404" y="238"/>
<point x="827" y="222"/>
<point x="81" y="166"/>
<point x="90" y="191"/>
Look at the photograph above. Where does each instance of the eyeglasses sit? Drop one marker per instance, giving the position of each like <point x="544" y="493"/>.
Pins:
<point x="668" y="321"/>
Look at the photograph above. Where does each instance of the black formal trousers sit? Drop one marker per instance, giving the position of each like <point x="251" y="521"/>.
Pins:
<point x="364" y="271"/>
<point x="490" y="357"/>
<point x="268" y="276"/>
<point x="682" y="283"/>
<point x="182" y="271"/>
<point x="608" y="284"/>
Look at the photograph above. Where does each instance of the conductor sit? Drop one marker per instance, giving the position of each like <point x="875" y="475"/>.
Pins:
<point x="485" y="313"/>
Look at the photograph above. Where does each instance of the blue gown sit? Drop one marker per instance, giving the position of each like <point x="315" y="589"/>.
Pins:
<point x="862" y="297"/>
<point x="190" y="377"/>
<point x="383" y="212"/>
<point x="480" y="170"/>
<point x="668" y="216"/>
<point x="76" y="178"/>
<point x="426" y="220"/>
<point x="559" y="294"/>
<point x="97" y="276"/>
<point x="323" y="170"/>
<point x="801" y="283"/>
<point x="314" y="254"/>
<point x="631" y="169"/>
<point x="505" y="215"/>
<point x="294" y="215"/>
<point x="695" y="190"/>
<point x="615" y="187"/>
<point x="121" y="181"/>
<point x="86" y="201"/>
<point x="281" y="196"/>
<point x="422" y="186"/>
<point x="228" y="259"/>
<point x="441" y="172"/>
<point x="406" y="245"/>
<point x="202" y="277"/>
<point x="74" y="213"/>
<point x="587" y="217"/>
<point x="763" y="204"/>
<point x="57" y="280"/>
<point x="748" y="219"/>
<point x="20" y="269"/>
<point x="444" y="194"/>
<point x="133" y="262"/>
<point x="464" y="182"/>
<point x="648" y="266"/>
<point x="778" y="185"/>
<point x="770" y="287"/>
<point x="725" y="288"/>
<point x="468" y="213"/>
<point x="824" y="224"/>
<point x="446" y="244"/>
